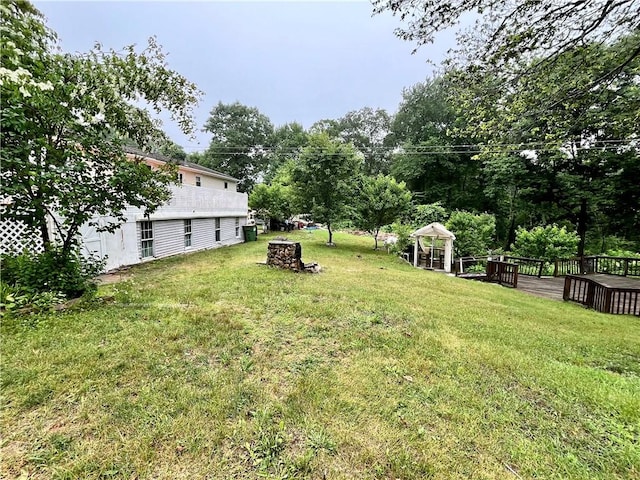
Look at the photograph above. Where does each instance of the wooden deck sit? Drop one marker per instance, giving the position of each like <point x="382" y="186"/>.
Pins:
<point x="552" y="287"/>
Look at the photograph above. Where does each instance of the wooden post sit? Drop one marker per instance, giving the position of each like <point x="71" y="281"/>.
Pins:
<point x="540" y="269"/>
<point x="567" y="288"/>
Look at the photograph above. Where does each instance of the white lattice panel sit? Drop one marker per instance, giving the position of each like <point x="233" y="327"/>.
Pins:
<point x="15" y="237"/>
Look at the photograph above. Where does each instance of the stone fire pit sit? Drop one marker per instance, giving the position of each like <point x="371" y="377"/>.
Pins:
<point x="288" y="255"/>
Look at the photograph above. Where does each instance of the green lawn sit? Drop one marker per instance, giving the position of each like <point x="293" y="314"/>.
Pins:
<point x="213" y="366"/>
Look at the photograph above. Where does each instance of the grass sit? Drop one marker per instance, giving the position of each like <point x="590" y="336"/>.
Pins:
<point x="213" y="366"/>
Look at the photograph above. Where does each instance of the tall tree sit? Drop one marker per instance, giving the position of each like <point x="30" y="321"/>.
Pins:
<point x="367" y="129"/>
<point x="380" y="201"/>
<point x="325" y="179"/>
<point x="240" y="139"/>
<point x="65" y="119"/>
<point x="579" y="147"/>
<point x="433" y="159"/>
<point x="286" y="144"/>
<point x="172" y="150"/>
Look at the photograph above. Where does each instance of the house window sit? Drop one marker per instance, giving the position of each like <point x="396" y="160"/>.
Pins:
<point x="179" y="178"/>
<point x="217" y="229"/>
<point x="198" y="182"/>
<point x="146" y="238"/>
<point x="237" y="227"/>
<point x="226" y="185"/>
<point x="187" y="233"/>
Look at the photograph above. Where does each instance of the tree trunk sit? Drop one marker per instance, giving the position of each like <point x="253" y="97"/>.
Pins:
<point x="511" y="233"/>
<point x="582" y="226"/>
<point x="375" y="239"/>
<point x="44" y="232"/>
<point x="330" y="234"/>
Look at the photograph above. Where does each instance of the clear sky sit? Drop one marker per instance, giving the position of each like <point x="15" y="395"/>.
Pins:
<point x="295" y="61"/>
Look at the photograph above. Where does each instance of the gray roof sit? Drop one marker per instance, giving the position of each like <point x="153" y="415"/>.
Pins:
<point x="164" y="158"/>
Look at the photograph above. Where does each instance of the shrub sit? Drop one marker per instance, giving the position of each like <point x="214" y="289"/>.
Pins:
<point x="51" y="271"/>
<point x="14" y="299"/>
<point x="622" y="253"/>
<point x="546" y="243"/>
<point x="403" y="232"/>
<point x="474" y="232"/>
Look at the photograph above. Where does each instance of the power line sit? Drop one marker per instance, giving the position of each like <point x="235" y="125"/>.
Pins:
<point x="442" y="148"/>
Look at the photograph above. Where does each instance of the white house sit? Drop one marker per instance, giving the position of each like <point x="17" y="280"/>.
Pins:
<point x="205" y="211"/>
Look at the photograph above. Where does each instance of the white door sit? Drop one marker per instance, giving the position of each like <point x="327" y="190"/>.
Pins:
<point x="92" y="244"/>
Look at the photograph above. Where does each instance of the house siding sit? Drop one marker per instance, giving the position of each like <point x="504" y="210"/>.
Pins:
<point x="203" y="233"/>
<point x="168" y="238"/>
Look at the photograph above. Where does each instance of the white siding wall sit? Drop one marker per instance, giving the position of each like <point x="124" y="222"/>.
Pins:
<point x="168" y="238"/>
<point x="203" y="233"/>
<point x="200" y="204"/>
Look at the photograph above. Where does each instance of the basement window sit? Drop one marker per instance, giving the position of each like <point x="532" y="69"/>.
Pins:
<point x="187" y="233"/>
<point x="146" y="239"/>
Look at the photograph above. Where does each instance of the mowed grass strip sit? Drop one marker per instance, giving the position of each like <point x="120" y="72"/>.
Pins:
<point x="213" y="366"/>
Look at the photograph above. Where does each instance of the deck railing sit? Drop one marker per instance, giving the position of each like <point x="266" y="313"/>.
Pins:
<point x="470" y="265"/>
<point x="504" y="273"/>
<point x="533" y="267"/>
<point x="621" y="266"/>
<point x="602" y="298"/>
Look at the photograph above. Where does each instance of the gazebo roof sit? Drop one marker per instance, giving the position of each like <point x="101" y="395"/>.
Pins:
<point x="434" y="230"/>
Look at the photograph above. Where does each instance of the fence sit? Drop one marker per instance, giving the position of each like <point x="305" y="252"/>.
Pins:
<point x="604" y="299"/>
<point x="15" y="237"/>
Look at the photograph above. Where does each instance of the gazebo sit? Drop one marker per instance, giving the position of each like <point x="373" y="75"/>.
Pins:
<point x="434" y="231"/>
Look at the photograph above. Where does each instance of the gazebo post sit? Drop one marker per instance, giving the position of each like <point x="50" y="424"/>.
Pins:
<point x="448" y="244"/>
<point x="415" y="253"/>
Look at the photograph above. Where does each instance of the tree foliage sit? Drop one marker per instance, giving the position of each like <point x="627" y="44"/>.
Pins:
<point x="547" y="243"/>
<point x="422" y="215"/>
<point x="506" y="33"/>
<point x="565" y="158"/>
<point x="381" y="201"/>
<point x="240" y="139"/>
<point x="474" y="232"/>
<point x="433" y="158"/>
<point x="286" y="143"/>
<point x="276" y="200"/>
<point x="324" y="179"/>
<point x="65" y="119"/>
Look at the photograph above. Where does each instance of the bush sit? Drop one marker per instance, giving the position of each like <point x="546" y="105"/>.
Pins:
<point x="403" y="232"/>
<point x="51" y="271"/>
<point x="546" y="243"/>
<point x="474" y="233"/>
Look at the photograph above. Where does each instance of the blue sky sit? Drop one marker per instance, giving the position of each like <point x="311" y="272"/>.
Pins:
<point x="294" y="61"/>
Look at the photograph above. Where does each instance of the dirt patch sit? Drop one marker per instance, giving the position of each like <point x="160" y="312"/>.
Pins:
<point x="113" y="277"/>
